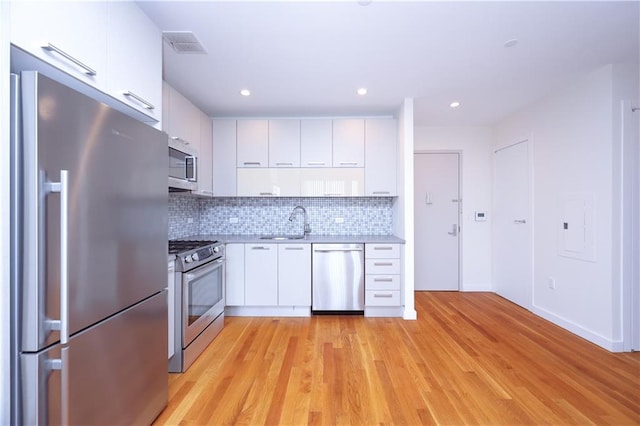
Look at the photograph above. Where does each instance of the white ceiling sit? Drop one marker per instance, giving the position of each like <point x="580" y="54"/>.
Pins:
<point x="308" y="58"/>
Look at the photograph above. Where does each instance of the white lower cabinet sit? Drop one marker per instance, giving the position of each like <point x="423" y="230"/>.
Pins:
<point x="260" y="274"/>
<point x="234" y="275"/>
<point x="294" y="274"/>
<point x="382" y="280"/>
<point x="268" y="279"/>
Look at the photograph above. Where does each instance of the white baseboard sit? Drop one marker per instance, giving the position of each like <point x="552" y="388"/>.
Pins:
<point x="476" y="287"/>
<point x="410" y="314"/>
<point x="603" y="342"/>
<point x="268" y="311"/>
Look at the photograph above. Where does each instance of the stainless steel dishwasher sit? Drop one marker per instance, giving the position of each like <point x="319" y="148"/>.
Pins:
<point x="338" y="278"/>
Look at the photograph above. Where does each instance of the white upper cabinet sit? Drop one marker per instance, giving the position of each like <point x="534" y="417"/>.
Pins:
<point x="284" y="143"/>
<point x="134" y="58"/>
<point x="72" y="36"/>
<point x="268" y="182"/>
<point x="253" y="143"/>
<point x="224" y="158"/>
<point x="183" y="118"/>
<point x="332" y="182"/>
<point x="205" y="157"/>
<point x="348" y="143"/>
<point x="316" y="143"/>
<point x="380" y="173"/>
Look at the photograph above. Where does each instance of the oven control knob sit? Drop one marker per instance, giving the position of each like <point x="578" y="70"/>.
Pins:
<point x="188" y="259"/>
<point x="216" y="249"/>
<point x="195" y="257"/>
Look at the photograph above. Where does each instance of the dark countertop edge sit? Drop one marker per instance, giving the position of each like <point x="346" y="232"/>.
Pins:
<point x="311" y="239"/>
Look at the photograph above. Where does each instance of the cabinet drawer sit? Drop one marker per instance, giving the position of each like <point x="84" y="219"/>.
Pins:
<point x="382" y="298"/>
<point x="382" y="282"/>
<point x="382" y="251"/>
<point x="382" y="266"/>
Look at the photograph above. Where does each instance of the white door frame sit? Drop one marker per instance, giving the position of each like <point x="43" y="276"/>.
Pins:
<point x="531" y="222"/>
<point x="460" y="204"/>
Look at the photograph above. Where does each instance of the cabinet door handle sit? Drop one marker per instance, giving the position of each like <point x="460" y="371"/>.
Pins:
<point x="381" y="193"/>
<point x="316" y="163"/>
<point x="348" y="163"/>
<point x="260" y="248"/>
<point x="332" y="194"/>
<point x="176" y="138"/>
<point x="383" y="248"/>
<point x="267" y="193"/>
<point x="385" y="295"/>
<point x="147" y="104"/>
<point x="383" y="280"/>
<point x="383" y="264"/>
<point x="251" y="163"/>
<point x="294" y="248"/>
<point x="87" y="69"/>
<point x="284" y="164"/>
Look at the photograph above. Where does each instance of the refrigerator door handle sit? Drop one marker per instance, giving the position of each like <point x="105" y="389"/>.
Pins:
<point x="63" y="188"/>
<point x="62" y="365"/>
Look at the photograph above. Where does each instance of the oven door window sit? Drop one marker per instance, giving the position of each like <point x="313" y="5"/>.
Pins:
<point x="204" y="292"/>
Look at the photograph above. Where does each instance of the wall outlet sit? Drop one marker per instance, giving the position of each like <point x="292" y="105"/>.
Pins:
<point x="339" y="219"/>
<point x="551" y="282"/>
<point x="233" y="220"/>
<point x="190" y="220"/>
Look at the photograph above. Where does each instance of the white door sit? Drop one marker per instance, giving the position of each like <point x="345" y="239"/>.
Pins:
<point x="512" y="227"/>
<point x="437" y="204"/>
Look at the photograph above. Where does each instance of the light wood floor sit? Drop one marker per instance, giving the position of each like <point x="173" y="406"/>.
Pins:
<point x="470" y="358"/>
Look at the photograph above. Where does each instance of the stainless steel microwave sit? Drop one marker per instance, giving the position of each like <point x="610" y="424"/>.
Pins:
<point x="183" y="166"/>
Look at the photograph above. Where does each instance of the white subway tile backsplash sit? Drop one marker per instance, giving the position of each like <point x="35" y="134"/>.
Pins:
<point x="251" y="216"/>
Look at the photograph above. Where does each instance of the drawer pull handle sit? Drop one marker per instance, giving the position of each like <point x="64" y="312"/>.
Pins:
<point x="316" y="163"/>
<point x="147" y="105"/>
<point x="294" y="248"/>
<point x="383" y="248"/>
<point x="348" y="163"/>
<point x="383" y="280"/>
<point x="385" y="295"/>
<point x="284" y="164"/>
<point x="383" y="264"/>
<point x="380" y="192"/>
<point x="87" y="69"/>
<point x="260" y="248"/>
<point x="251" y="163"/>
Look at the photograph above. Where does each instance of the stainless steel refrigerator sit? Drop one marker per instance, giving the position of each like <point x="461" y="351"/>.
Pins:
<point x="89" y="244"/>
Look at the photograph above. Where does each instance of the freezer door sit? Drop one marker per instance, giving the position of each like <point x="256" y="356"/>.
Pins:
<point x="113" y="373"/>
<point x="116" y="210"/>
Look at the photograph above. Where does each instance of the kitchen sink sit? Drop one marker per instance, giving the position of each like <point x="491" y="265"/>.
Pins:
<point x="282" y="237"/>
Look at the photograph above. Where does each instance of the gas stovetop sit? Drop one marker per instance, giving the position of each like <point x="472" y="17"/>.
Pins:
<point x="191" y="254"/>
<point x="181" y="246"/>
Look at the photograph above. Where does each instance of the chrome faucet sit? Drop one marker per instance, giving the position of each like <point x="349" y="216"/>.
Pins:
<point x="307" y="228"/>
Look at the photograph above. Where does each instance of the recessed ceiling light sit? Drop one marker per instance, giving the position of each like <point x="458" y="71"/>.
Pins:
<point x="362" y="91"/>
<point x="245" y="92"/>
<point x="511" y="43"/>
<point x="454" y="104"/>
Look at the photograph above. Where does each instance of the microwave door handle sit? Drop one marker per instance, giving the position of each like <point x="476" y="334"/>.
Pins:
<point x="194" y="164"/>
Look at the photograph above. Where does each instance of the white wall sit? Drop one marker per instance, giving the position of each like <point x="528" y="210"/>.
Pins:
<point x="403" y="206"/>
<point x="574" y="150"/>
<point x="475" y="144"/>
<point x="4" y="216"/>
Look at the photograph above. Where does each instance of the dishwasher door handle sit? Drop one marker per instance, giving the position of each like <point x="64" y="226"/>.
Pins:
<point x="336" y="250"/>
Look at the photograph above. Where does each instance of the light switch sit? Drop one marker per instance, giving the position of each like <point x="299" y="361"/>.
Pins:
<point x="481" y="216"/>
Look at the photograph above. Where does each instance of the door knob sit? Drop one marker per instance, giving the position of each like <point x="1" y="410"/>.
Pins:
<point x="521" y="221"/>
<point x="454" y="230"/>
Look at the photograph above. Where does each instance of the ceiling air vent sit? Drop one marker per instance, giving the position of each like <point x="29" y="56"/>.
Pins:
<point x="183" y="41"/>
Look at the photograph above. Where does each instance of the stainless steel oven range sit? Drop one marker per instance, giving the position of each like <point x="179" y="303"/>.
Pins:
<point x="199" y="298"/>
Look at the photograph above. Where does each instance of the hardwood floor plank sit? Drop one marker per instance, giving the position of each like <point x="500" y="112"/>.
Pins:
<point x="470" y="358"/>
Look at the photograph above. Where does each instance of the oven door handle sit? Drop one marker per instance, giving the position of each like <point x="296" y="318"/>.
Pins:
<point x="204" y="270"/>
